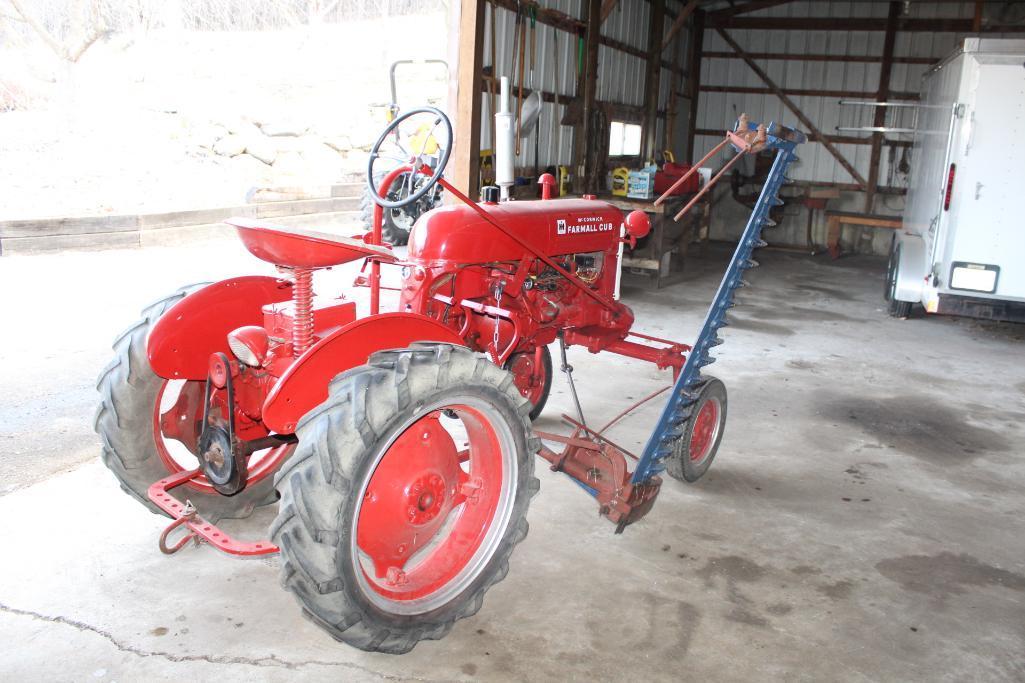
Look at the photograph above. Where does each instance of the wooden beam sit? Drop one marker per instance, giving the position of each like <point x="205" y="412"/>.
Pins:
<point x="753" y="6"/>
<point x="841" y="159"/>
<point x="606" y="9"/>
<point x="681" y="19"/>
<point x="977" y="18"/>
<point x="652" y="77"/>
<point x="675" y="92"/>
<point x="858" y="24"/>
<point x="465" y="95"/>
<point x="836" y="139"/>
<point x="869" y="59"/>
<point x="882" y="95"/>
<point x="697" y="38"/>
<point x="588" y="150"/>
<point x="807" y="92"/>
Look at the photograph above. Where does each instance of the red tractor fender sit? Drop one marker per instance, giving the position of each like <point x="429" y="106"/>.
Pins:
<point x="180" y="343"/>
<point x="304" y="385"/>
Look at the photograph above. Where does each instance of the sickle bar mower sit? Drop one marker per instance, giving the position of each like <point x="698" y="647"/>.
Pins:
<point x="598" y="465"/>
<point x="398" y="445"/>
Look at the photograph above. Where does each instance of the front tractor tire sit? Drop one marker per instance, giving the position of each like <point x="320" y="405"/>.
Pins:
<point x="397" y="223"/>
<point x="128" y="423"/>
<point x="696" y="448"/>
<point x="533" y="379"/>
<point x="406" y="496"/>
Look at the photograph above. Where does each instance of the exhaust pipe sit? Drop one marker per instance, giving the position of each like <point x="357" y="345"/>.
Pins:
<point x="505" y="176"/>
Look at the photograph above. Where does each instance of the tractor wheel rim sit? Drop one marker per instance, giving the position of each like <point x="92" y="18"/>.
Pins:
<point x="706" y="430"/>
<point x="261" y="464"/>
<point x="432" y="514"/>
<point x="529" y="381"/>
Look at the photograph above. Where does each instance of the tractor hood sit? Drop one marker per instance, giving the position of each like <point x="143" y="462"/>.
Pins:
<point x="553" y="226"/>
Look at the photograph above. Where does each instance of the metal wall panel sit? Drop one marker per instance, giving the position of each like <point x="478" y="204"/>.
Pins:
<point x="620" y="75"/>
<point x="718" y="110"/>
<point x="555" y="72"/>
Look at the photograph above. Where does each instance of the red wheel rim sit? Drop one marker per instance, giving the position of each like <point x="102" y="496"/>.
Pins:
<point x="530" y="380"/>
<point x="261" y="464"/>
<point x="705" y="430"/>
<point x="431" y="514"/>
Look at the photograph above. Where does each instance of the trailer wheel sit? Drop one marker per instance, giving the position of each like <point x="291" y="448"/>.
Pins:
<point x="406" y="495"/>
<point x="696" y="448"/>
<point x="896" y="308"/>
<point x="130" y="422"/>
<point x="534" y="381"/>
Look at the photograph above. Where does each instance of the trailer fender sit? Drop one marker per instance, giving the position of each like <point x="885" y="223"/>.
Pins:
<point x="180" y="344"/>
<point x="911" y="267"/>
<point x="304" y="385"/>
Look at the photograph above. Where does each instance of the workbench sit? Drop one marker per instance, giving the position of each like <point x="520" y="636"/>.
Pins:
<point x="835" y="220"/>
<point x="658" y="259"/>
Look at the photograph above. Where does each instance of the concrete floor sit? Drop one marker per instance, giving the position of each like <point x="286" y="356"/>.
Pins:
<point x="863" y="519"/>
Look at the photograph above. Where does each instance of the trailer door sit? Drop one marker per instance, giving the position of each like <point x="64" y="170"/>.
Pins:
<point x="987" y="249"/>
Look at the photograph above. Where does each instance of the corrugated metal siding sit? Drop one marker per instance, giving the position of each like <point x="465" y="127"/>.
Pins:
<point x="718" y="110"/>
<point x="620" y="75"/>
<point x="555" y="71"/>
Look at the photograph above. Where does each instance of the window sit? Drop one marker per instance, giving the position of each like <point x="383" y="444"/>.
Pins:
<point x="624" y="139"/>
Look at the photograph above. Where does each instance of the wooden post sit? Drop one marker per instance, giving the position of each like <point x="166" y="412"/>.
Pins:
<point x="977" y="19"/>
<point x="606" y="8"/>
<point x="588" y="168"/>
<point x="676" y="83"/>
<point x="467" y="18"/>
<point x="789" y="103"/>
<point x="697" y="39"/>
<point x="652" y="79"/>
<point x="678" y="23"/>
<point x="882" y="94"/>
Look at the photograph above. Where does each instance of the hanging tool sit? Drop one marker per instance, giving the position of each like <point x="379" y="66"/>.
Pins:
<point x="555" y="136"/>
<point x="535" y="96"/>
<point x="522" y="31"/>
<point x="493" y="83"/>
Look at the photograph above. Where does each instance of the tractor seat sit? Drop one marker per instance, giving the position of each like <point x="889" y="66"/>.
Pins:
<point x="302" y="248"/>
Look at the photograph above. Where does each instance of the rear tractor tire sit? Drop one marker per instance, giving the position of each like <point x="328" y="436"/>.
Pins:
<point x="128" y="423"/>
<point x="697" y="447"/>
<point x="406" y="496"/>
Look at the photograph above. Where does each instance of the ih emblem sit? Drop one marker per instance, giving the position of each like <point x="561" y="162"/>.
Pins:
<point x="560" y="227"/>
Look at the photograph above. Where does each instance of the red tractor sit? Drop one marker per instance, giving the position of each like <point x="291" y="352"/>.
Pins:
<point x="397" y="445"/>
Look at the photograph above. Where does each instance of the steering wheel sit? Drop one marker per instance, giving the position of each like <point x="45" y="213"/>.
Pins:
<point x="415" y="160"/>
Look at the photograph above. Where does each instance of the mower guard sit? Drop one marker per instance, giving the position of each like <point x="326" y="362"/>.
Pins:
<point x="304" y="385"/>
<point x="180" y="343"/>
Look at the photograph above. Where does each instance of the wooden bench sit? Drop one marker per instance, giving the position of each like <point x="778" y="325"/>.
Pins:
<point x="835" y="220"/>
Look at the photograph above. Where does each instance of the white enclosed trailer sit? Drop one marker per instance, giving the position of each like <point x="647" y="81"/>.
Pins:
<point x="962" y="247"/>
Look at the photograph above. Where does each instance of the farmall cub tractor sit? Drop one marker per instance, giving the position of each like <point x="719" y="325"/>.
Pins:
<point x="398" y="445"/>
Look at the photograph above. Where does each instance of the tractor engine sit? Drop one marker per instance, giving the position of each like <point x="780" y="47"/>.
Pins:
<point x="497" y="295"/>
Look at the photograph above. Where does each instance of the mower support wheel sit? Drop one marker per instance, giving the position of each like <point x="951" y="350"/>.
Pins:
<point x="127" y="421"/>
<point x="406" y="496"/>
<point x="697" y="447"/>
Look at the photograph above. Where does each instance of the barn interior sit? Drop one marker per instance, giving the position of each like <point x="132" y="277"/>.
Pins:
<point x="862" y="519"/>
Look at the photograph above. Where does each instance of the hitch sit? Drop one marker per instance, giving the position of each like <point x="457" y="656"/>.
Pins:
<point x="197" y="529"/>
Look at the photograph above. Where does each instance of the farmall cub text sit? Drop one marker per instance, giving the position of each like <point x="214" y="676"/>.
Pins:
<point x="398" y="445"/>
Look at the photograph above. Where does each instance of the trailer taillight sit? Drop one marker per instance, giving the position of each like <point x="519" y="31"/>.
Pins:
<point x="950" y="187"/>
